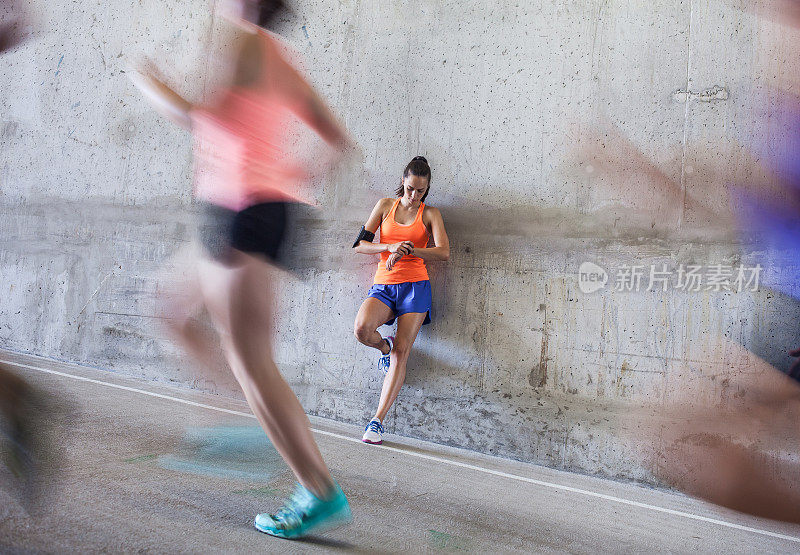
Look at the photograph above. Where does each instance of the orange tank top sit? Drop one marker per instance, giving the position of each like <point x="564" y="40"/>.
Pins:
<point x="408" y="268"/>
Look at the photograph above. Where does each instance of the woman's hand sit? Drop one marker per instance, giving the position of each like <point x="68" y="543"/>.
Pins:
<point x="401" y="248"/>
<point x="392" y="260"/>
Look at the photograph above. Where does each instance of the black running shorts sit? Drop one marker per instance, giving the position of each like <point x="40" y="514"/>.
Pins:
<point x="259" y="229"/>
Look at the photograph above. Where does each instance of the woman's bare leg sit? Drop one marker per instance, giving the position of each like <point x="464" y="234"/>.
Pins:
<point x="248" y="342"/>
<point x="408" y="326"/>
<point x="372" y="315"/>
<point x="183" y="300"/>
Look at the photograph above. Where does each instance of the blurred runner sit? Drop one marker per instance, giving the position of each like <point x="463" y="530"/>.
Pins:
<point x="249" y="187"/>
<point x="727" y="430"/>
<point x="17" y="409"/>
<point x="26" y="414"/>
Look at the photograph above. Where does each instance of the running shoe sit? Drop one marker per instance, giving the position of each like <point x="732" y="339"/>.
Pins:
<point x="373" y="433"/>
<point x="305" y="514"/>
<point x="385" y="360"/>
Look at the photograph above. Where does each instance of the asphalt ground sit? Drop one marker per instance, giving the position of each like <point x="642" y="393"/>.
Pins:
<point x="134" y="466"/>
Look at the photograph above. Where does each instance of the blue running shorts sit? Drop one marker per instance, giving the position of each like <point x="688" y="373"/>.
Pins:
<point x="402" y="298"/>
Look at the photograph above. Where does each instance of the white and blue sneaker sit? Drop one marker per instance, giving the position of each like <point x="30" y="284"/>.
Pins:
<point x="385" y="360"/>
<point x="373" y="433"/>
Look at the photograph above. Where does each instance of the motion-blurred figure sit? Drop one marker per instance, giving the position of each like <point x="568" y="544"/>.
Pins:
<point x="728" y="432"/>
<point x="247" y="183"/>
<point x="16" y="396"/>
<point x="16" y="410"/>
<point x="731" y="441"/>
<point x="787" y="12"/>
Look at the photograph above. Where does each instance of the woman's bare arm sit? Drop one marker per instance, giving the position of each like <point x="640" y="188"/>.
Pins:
<point x="372" y="225"/>
<point x="166" y="101"/>
<point x="304" y="101"/>
<point x="442" y="249"/>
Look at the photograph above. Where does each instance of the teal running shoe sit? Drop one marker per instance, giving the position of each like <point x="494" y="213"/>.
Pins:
<point x="305" y="514"/>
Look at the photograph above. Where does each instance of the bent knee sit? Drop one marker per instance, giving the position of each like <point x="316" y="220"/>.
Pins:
<point x="362" y="331"/>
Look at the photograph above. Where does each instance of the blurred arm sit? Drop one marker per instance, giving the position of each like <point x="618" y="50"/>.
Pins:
<point x="167" y="102"/>
<point x="304" y="101"/>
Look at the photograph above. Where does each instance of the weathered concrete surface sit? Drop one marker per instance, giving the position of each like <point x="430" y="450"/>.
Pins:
<point x="114" y="491"/>
<point x="509" y="104"/>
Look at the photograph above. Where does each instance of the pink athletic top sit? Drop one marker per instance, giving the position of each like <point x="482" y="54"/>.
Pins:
<point x="240" y="145"/>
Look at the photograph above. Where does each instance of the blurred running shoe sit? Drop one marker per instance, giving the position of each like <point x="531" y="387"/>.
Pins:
<point x="305" y="513"/>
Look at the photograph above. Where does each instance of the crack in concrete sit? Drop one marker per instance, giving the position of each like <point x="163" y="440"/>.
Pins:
<point x="93" y="295"/>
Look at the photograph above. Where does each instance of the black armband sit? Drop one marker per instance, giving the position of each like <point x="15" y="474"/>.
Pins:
<point x="364" y="235"/>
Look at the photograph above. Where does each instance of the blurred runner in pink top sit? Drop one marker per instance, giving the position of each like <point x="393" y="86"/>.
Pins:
<point x="248" y="183"/>
<point x="240" y="140"/>
<point x="239" y="163"/>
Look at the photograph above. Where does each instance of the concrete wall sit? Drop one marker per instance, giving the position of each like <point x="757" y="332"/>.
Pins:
<point x="558" y="133"/>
